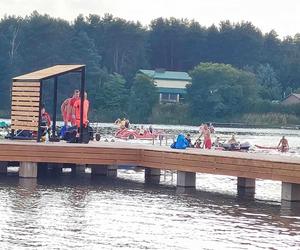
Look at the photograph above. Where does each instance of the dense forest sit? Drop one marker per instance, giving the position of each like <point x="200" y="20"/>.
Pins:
<point x="238" y="73"/>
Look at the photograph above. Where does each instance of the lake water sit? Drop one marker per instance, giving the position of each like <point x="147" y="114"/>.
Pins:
<point x="80" y="212"/>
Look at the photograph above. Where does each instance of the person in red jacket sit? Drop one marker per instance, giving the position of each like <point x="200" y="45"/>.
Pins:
<point x="67" y="108"/>
<point x="77" y="106"/>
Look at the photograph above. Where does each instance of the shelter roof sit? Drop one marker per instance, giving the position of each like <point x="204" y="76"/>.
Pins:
<point x="49" y="72"/>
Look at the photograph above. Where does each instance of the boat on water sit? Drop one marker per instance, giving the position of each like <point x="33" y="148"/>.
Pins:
<point x="131" y="134"/>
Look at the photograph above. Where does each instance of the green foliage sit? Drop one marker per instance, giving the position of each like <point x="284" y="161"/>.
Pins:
<point x="270" y="119"/>
<point x="270" y="87"/>
<point x="143" y="96"/>
<point x="220" y="90"/>
<point x="110" y="98"/>
<point x="109" y="45"/>
<point x="170" y="113"/>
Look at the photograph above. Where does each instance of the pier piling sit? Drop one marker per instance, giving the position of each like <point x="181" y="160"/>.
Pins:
<point x="186" y="179"/>
<point x="152" y="175"/>
<point x="28" y="170"/>
<point x="290" y="191"/>
<point x="3" y="167"/>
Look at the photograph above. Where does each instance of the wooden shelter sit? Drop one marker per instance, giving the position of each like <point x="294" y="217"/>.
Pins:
<point x="26" y="98"/>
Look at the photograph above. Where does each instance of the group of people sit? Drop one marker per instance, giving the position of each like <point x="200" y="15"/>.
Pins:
<point x="125" y="124"/>
<point x="206" y="130"/>
<point x="70" y="110"/>
<point x="122" y="123"/>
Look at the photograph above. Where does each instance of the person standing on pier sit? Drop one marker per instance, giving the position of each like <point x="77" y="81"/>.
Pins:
<point x="206" y="134"/>
<point x="77" y="106"/>
<point x="67" y="108"/>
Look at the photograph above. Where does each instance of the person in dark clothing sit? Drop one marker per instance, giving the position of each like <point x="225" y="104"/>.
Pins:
<point x="188" y="139"/>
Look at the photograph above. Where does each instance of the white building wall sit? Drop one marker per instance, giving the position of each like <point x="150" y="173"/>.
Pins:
<point x="171" y="83"/>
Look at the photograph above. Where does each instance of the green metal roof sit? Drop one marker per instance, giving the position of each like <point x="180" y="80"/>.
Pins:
<point x="168" y="75"/>
<point x="172" y="90"/>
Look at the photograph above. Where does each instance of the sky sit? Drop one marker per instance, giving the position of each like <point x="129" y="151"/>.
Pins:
<point x="281" y="15"/>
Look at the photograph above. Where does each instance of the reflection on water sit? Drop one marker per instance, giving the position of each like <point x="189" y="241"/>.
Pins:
<point x="81" y="212"/>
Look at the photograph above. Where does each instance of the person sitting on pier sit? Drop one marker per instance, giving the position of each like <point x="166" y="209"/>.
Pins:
<point x="232" y="140"/>
<point x="198" y="143"/>
<point x="180" y="143"/>
<point x="233" y="143"/>
<point x="45" y="122"/>
<point x="217" y="142"/>
<point x="283" y="145"/>
<point x="188" y="139"/>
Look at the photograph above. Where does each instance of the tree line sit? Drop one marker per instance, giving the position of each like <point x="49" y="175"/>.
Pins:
<point x="233" y="65"/>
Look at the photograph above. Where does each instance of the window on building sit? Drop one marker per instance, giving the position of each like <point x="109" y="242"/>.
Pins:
<point x="167" y="97"/>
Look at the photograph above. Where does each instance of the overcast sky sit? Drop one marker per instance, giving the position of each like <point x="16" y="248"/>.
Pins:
<point x="281" y="15"/>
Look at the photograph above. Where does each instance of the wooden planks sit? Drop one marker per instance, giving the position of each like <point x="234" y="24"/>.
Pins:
<point x="240" y="165"/>
<point x="25" y="105"/>
<point x="26" y="84"/>
<point x="49" y="72"/>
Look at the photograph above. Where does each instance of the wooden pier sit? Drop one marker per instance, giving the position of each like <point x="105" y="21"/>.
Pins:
<point x="105" y="157"/>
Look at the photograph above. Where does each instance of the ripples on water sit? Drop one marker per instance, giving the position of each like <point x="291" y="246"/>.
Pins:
<point x="65" y="212"/>
<point x="97" y="213"/>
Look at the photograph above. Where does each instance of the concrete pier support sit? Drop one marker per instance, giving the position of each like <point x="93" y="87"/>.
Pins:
<point x="186" y="179"/>
<point x="104" y="170"/>
<point x="152" y="175"/>
<point x="112" y="170"/>
<point x="3" y="167"/>
<point x="246" y="187"/>
<point x="28" y="170"/>
<point x="78" y="169"/>
<point x="290" y="192"/>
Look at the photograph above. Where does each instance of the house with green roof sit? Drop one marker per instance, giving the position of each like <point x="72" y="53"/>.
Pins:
<point x="171" y="84"/>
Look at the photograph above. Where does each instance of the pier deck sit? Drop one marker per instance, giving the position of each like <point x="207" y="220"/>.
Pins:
<point x="247" y="165"/>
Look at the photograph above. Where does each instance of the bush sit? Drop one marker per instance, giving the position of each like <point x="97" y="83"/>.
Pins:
<point x="270" y="119"/>
<point x="170" y="113"/>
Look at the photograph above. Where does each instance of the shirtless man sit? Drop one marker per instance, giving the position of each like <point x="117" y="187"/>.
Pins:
<point x="67" y="108"/>
<point x="283" y="145"/>
<point x="232" y="140"/>
<point x="207" y="140"/>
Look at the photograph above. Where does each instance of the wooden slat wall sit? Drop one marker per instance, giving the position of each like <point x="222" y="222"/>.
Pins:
<point x="25" y="105"/>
